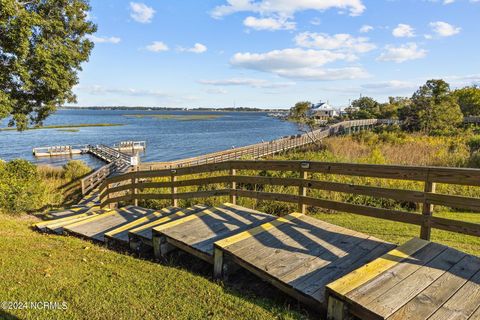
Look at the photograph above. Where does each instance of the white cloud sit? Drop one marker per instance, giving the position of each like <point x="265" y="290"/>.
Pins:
<point x="141" y="12"/>
<point x="448" y="1"/>
<point x="197" y="48"/>
<point x="96" y="39"/>
<point x="409" y="51"/>
<point x="316" y="21"/>
<point x="390" y="86"/>
<point x="286" y="8"/>
<point x="444" y="29"/>
<point x="270" y="24"/>
<point x="216" y="91"/>
<point x="403" y="31"/>
<point x="341" y="41"/>
<point x="366" y="28"/>
<point x="299" y="64"/>
<point x="100" y="90"/>
<point x="254" y="83"/>
<point x="157" y="46"/>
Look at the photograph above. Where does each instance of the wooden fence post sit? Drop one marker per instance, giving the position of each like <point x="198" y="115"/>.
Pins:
<point x="233" y="186"/>
<point x="427" y="211"/>
<point x="134" y="190"/>
<point x="302" y="191"/>
<point x="173" y="179"/>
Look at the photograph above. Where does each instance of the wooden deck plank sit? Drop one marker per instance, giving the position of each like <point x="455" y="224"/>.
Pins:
<point x="197" y="235"/>
<point x="295" y="250"/>
<point x="221" y="221"/>
<point x="321" y="247"/>
<point x="58" y="226"/>
<point x="68" y="219"/>
<point x="475" y="315"/>
<point x="368" y="251"/>
<point x="368" y="272"/>
<point x="140" y="238"/>
<point x="257" y="230"/>
<point x="95" y="228"/>
<point x="393" y="299"/>
<point x="389" y="278"/>
<point x="120" y="234"/>
<point x="463" y="303"/>
<point x="432" y="298"/>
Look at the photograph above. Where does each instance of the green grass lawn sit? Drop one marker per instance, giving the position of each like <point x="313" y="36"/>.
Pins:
<point x="97" y="283"/>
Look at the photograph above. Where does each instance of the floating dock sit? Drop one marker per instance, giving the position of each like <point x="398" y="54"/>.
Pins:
<point x="55" y="151"/>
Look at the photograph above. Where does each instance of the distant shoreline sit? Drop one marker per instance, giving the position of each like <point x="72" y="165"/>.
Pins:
<point x="239" y="109"/>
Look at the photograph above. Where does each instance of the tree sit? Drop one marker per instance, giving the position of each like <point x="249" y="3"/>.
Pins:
<point x="365" y="108"/>
<point x="469" y="100"/>
<point x="300" y="111"/>
<point x="42" y="46"/>
<point x="390" y="109"/>
<point x="432" y="110"/>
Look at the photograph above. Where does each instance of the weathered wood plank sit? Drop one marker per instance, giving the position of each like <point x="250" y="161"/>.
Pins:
<point x="370" y="271"/>
<point x="394" y="298"/>
<point x="463" y="303"/>
<point x="388" y="279"/>
<point x="439" y="292"/>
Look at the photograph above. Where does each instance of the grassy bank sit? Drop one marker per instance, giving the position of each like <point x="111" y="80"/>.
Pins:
<point x="69" y="126"/>
<point x="97" y="283"/>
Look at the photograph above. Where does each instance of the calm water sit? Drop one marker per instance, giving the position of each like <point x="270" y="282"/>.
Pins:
<point x="167" y="139"/>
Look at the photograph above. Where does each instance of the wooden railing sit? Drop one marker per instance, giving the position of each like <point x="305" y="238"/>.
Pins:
<point x="259" y="150"/>
<point x="137" y="186"/>
<point x="94" y="179"/>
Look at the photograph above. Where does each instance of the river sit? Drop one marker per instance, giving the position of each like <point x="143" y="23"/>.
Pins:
<point x="170" y="135"/>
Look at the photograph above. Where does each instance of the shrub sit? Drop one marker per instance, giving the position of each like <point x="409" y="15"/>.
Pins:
<point x="75" y="169"/>
<point x="474" y="144"/>
<point x="21" y="188"/>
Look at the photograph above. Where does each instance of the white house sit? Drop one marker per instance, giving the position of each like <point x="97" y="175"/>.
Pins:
<point x="323" y="111"/>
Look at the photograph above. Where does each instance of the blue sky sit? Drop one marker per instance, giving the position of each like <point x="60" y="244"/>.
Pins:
<point x="271" y="54"/>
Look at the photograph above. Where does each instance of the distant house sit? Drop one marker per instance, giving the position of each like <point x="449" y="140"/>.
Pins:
<point x="323" y="111"/>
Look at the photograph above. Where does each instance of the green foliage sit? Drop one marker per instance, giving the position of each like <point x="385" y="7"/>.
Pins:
<point x="469" y="100"/>
<point x="367" y="108"/>
<point x="42" y="46"/>
<point x="474" y="144"/>
<point x="300" y="111"/>
<point x="433" y="110"/>
<point x="20" y="186"/>
<point x="75" y="169"/>
<point x="24" y="187"/>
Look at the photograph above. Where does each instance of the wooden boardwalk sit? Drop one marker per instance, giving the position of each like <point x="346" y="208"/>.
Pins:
<point x="418" y="280"/>
<point x="197" y="233"/>
<point x="299" y="255"/>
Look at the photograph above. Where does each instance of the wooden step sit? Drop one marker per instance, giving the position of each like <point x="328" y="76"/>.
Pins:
<point x="140" y="238"/>
<point x="197" y="233"/>
<point x="66" y="217"/>
<point x="298" y="254"/>
<point x="94" y="228"/>
<point x="418" y="280"/>
<point x="119" y="236"/>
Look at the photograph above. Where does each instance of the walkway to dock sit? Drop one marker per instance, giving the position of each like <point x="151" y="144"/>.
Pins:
<point x="339" y="272"/>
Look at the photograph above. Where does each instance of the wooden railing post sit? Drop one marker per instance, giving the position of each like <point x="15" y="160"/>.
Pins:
<point x="233" y="186"/>
<point x="134" y="190"/>
<point x="173" y="179"/>
<point x="427" y="211"/>
<point x="302" y="191"/>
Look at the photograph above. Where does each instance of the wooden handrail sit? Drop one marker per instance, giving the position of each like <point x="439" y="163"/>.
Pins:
<point x="235" y="176"/>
